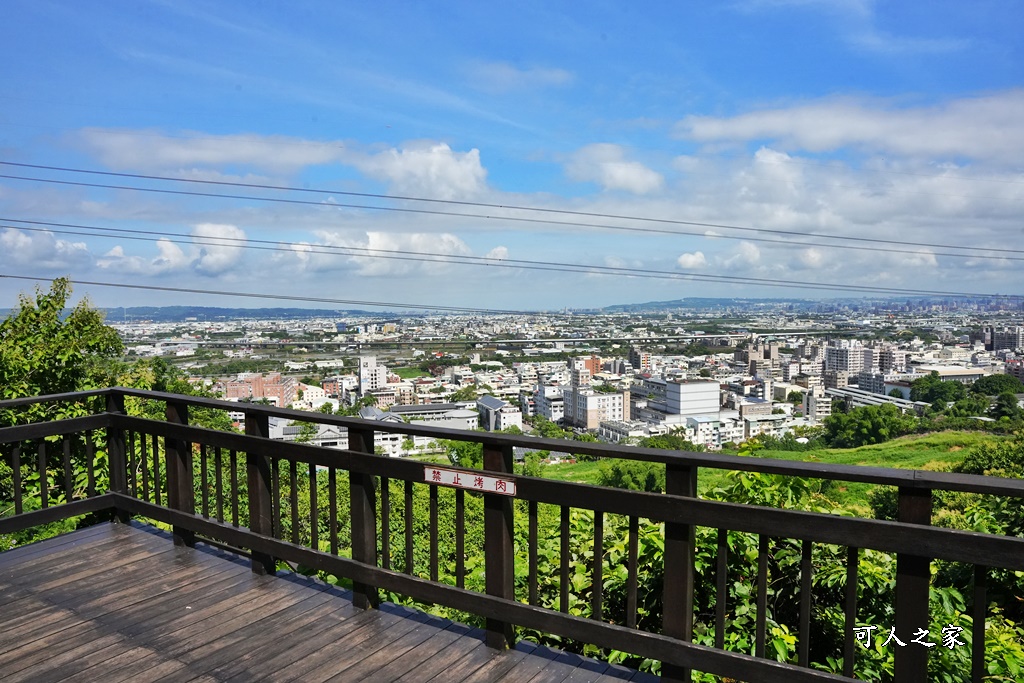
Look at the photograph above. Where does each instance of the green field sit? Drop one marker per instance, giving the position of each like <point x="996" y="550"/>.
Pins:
<point x="409" y="373"/>
<point x="924" y="452"/>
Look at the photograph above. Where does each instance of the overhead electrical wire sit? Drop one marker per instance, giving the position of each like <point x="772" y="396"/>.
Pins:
<point x="462" y="259"/>
<point x="306" y="245"/>
<point x="452" y="202"/>
<point x="518" y="219"/>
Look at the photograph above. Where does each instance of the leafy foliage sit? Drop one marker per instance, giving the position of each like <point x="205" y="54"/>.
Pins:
<point x="992" y="385"/>
<point x="867" y="425"/>
<point x="931" y="389"/>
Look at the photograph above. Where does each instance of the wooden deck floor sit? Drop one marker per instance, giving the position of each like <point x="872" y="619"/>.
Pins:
<point x="117" y="603"/>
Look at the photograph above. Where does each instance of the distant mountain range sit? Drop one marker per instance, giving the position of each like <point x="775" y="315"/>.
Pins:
<point x="180" y="313"/>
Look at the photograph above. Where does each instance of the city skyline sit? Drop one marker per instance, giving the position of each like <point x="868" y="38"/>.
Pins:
<point x="850" y="119"/>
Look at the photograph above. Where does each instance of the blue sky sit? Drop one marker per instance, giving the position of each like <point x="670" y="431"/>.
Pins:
<point x="843" y="118"/>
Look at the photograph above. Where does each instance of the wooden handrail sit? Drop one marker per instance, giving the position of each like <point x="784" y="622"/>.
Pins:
<point x="914" y="541"/>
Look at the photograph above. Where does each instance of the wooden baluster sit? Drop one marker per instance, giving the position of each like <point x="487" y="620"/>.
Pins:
<point x="533" y="579"/>
<point x="116" y="462"/>
<point x="850" y="610"/>
<point x="597" y="571"/>
<point x="180" y="491"/>
<point x="258" y="482"/>
<point x="433" y="533"/>
<point x="806" y="571"/>
<point x="721" y="587"/>
<point x="680" y="540"/>
<point x="44" y="487"/>
<point x="363" y="512"/>
<point x="632" y="571"/>
<point x="762" y="596"/>
<point x="498" y="535"/>
<point x="913" y="575"/>
<point x="979" y="611"/>
<point x="460" y="538"/>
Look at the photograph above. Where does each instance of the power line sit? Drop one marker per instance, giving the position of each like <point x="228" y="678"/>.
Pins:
<point x="305" y="246"/>
<point x="506" y="207"/>
<point x="545" y="221"/>
<point x="460" y="259"/>
<point x="282" y="297"/>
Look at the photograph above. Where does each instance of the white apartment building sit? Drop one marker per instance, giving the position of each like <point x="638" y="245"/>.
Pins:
<point x="549" y="403"/>
<point x="371" y="375"/>
<point x="587" y="409"/>
<point x="816" y="405"/>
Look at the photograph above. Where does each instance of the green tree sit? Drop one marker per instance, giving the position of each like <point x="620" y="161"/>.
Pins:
<point x="464" y="394"/>
<point x="867" y="425"/>
<point x="896" y="393"/>
<point x="45" y="349"/>
<point x="931" y="389"/>
<point x="670" y="442"/>
<point x="634" y="475"/>
<point x="993" y="385"/>
<point x="1006" y="407"/>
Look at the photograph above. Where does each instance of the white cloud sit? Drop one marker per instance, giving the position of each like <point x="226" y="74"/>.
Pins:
<point x="171" y="259"/>
<point x="606" y="165"/>
<point x="426" y="169"/>
<point x="502" y="77"/>
<point x="379" y="253"/>
<point x="500" y="253"/>
<point x="811" y="258"/>
<point x="690" y="261"/>
<point x="989" y="127"/>
<point x="216" y="252"/>
<point x="221" y="249"/>
<point x="743" y="255"/>
<point x="42" y="249"/>
<point x="142" y="150"/>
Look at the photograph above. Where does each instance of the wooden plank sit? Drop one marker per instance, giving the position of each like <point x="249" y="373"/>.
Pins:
<point x="467" y="651"/>
<point x="130" y="665"/>
<point x="419" y="655"/>
<point x="500" y="663"/>
<point x="298" y="657"/>
<point x="534" y="662"/>
<point x="67" y="660"/>
<point x="337" y="668"/>
<point x="85" y="662"/>
<point x="120" y="608"/>
<point x="64" y="541"/>
<point x="348" y="640"/>
<point x="371" y="664"/>
<point x="250" y="663"/>
<point x="469" y="663"/>
<point x="221" y="646"/>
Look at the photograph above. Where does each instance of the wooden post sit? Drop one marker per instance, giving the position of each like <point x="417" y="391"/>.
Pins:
<point x="258" y="481"/>
<point x="117" y="463"/>
<point x="363" y="507"/>
<point x="680" y="541"/>
<point x="180" y="494"/>
<point x="913" y="576"/>
<point x="498" y="551"/>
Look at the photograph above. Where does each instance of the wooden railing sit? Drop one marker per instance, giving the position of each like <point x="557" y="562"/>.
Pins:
<point x="243" y="490"/>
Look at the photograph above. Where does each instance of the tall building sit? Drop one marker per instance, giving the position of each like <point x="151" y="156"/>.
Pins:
<point x="1010" y="338"/>
<point x="640" y="360"/>
<point x="692" y="397"/>
<point x="371" y="375"/>
<point x="817" y="406"/>
<point x="587" y="409"/>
